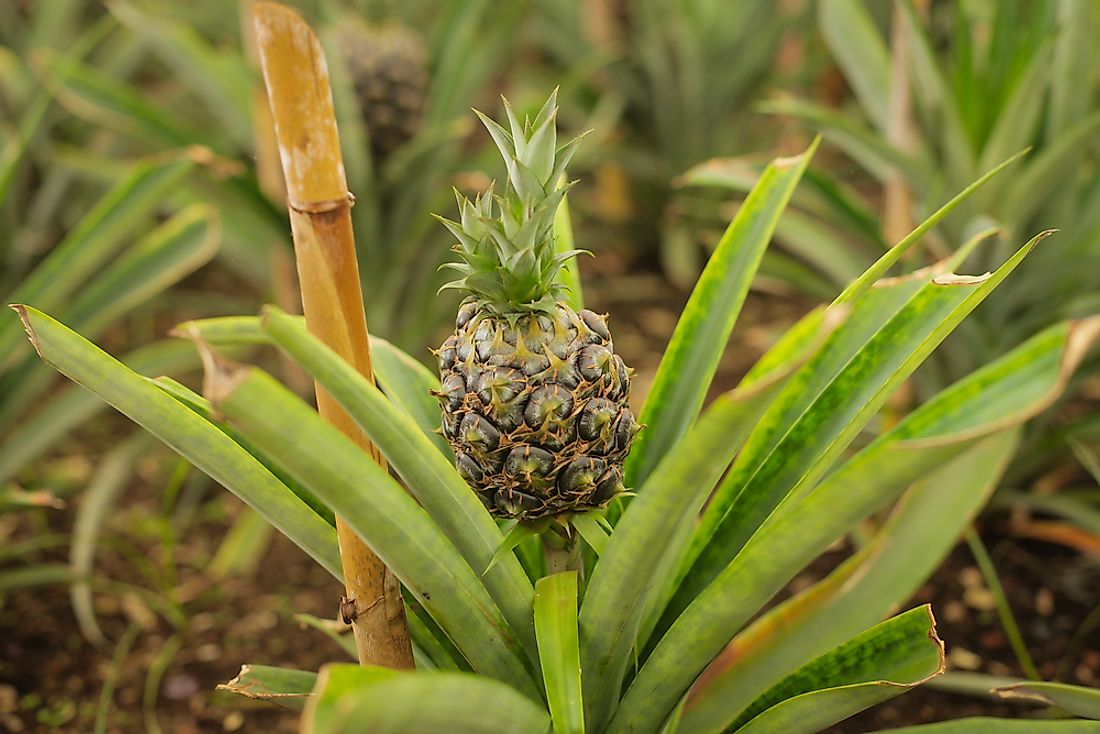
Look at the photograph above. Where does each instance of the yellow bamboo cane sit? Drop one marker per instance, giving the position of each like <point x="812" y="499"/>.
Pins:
<point x="320" y="217"/>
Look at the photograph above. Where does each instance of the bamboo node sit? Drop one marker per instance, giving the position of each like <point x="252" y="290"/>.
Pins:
<point x="324" y="206"/>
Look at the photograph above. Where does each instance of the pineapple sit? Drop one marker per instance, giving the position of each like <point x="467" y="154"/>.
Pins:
<point x="388" y="66"/>
<point x="534" y="398"/>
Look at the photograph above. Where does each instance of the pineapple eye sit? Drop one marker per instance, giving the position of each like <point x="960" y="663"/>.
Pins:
<point x="525" y="462"/>
<point x="595" y="419"/>
<point x="448" y="354"/>
<point x="580" y="476"/>
<point x="453" y="391"/>
<point x="596" y="322"/>
<point x="499" y="386"/>
<point x="610" y="485"/>
<point x="468" y="469"/>
<point x="594" y="362"/>
<point x="625" y="431"/>
<point x="479" y="433"/>
<point x="546" y="402"/>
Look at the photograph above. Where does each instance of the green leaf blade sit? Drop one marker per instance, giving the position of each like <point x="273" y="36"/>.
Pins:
<point x="688" y="365"/>
<point x="184" y="431"/>
<point x="559" y="650"/>
<point x="350" y="699"/>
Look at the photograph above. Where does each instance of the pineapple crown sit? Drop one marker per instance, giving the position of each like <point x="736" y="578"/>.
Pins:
<point x="509" y="261"/>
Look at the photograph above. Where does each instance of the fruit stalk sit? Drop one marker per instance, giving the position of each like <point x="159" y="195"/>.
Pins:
<point x="297" y="83"/>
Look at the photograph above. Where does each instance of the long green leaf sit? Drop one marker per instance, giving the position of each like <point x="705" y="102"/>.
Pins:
<point x="96" y="503"/>
<point x="96" y="239"/>
<point x="921" y="531"/>
<point x="410" y="384"/>
<point x="1078" y="700"/>
<point x="184" y="431"/>
<point x="634" y="572"/>
<point x="202" y="407"/>
<point x="835" y="417"/>
<point x="405" y="381"/>
<point x="430" y="477"/>
<point x="890" y="258"/>
<point x="559" y="650"/>
<point x="378" y="509"/>
<point x="883" y="662"/>
<point x="70" y="406"/>
<point x="863" y="144"/>
<point x="350" y="699"/>
<point x="569" y="275"/>
<point x="794" y="537"/>
<point x="688" y="365"/>
<point x="103" y="99"/>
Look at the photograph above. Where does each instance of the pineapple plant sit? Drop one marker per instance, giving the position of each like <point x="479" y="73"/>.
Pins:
<point x="388" y="68"/>
<point x="533" y="396"/>
<point x="671" y="636"/>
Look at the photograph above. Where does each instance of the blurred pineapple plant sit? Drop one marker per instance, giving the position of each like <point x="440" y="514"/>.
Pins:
<point x="98" y="245"/>
<point x="668" y="85"/>
<point x="402" y="79"/>
<point x="664" y="627"/>
<point x="941" y="92"/>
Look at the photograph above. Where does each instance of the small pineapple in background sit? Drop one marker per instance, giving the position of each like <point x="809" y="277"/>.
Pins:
<point x="388" y="66"/>
<point x="534" y="397"/>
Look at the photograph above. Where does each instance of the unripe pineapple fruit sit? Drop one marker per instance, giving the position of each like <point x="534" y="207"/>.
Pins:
<point x="534" y="398"/>
<point x="388" y="66"/>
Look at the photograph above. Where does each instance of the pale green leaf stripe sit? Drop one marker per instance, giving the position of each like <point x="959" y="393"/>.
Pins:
<point x="688" y="365"/>
<point x="73" y="405"/>
<point x="879" y="664"/>
<point x="404" y="380"/>
<point x="836" y="416"/>
<point x="284" y="687"/>
<point x="766" y="562"/>
<point x="155" y="262"/>
<point x="92" y="242"/>
<point x="634" y="572"/>
<point x="1078" y="700"/>
<point x="989" y="725"/>
<point x="860" y="50"/>
<point x="920" y="532"/>
<point x="350" y="699"/>
<point x="430" y="477"/>
<point x="379" y="510"/>
<point x="184" y="431"/>
<point x="559" y="649"/>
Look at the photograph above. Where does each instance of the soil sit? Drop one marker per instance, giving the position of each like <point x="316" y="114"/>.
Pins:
<point x="52" y="679"/>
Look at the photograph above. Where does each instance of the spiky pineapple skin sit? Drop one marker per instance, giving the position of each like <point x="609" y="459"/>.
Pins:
<point x="535" y="407"/>
<point x="388" y="67"/>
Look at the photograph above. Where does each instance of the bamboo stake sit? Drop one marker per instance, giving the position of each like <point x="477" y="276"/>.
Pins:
<point x="284" y="279"/>
<point x="296" y="76"/>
